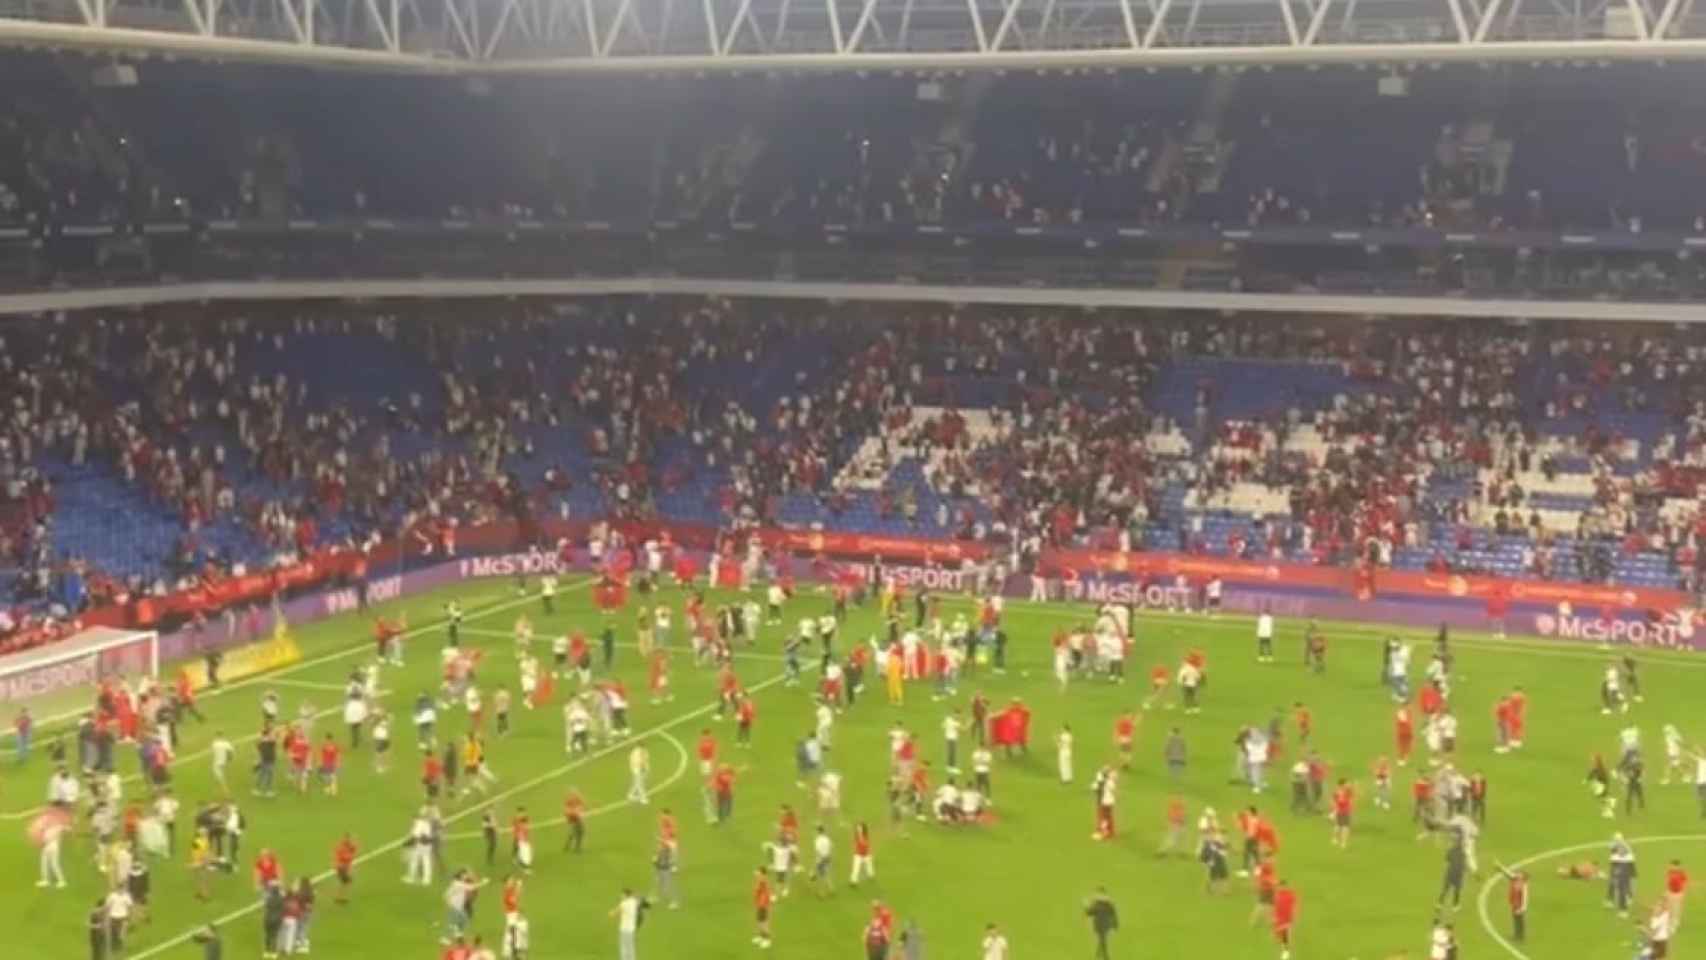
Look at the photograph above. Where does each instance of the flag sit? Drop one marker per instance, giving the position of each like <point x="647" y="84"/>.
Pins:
<point x="46" y="819"/>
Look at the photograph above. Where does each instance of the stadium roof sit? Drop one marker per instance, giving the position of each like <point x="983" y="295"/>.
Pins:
<point x="481" y="37"/>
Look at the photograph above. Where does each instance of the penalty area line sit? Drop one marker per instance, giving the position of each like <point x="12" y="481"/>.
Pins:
<point x="520" y="788"/>
<point x="1492" y="880"/>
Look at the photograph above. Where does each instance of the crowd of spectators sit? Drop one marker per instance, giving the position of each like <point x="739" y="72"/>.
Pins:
<point x="1284" y="149"/>
<point x="1406" y="443"/>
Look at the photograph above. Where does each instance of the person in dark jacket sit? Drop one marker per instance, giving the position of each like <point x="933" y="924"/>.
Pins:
<point x="1104" y="920"/>
<point x="212" y="946"/>
<point x="272" y="919"/>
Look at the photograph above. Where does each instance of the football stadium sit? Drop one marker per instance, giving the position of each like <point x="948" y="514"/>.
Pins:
<point x="900" y="479"/>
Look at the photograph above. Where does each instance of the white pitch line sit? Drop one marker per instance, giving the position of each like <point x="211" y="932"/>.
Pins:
<point x="681" y="763"/>
<point x="1487" y="888"/>
<point x="519" y="788"/>
<point x="272" y="678"/>
<point x="309" y="685"/>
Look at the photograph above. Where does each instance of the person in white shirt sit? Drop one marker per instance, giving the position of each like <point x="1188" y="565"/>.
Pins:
<point x="52" y="834"/>
<point x="1448" y="732"/>
<point x="947" y="803"/>
<point x="661" y="627"/>
<point x="63" y="790"/>
<point x="1439" y="676"/>
<point x="751" y="617"/>
<point x="548" y="593"/>
<point x="627" y="914"/>
<point x="971" y="805"/>
<point x="823" y="850"/>
<point x="951" y="740"/>
<point x="639" y="766"/>
<point x="1673" y="754"/>
<point x="1063" y="752"/>
<point x="1629" y="738"/>
<point x="1110" y="650"/>
<point x="773" y="598"/>
<point x="222" y="750"/>
<point x="1190" y="681"/>
<point x="1440" y="942"/>
<point x="994" y="944"/>
<point x="417" y="853"/>
<point x="118" y="917"/>
<point x="456" y="897"/>
<point x="829" y="795"/>
<point x="166" y="811"/>
<point x="517" y="937"/>
<point x="577" y="725"/>
<point x="381" y="742"/>
<point x="1611" y="692"/>
<point x="1265" y="637"/>
<point x="1660" y="926"/>
<point x="825" y="724"/>
<point x="529" y="667"/>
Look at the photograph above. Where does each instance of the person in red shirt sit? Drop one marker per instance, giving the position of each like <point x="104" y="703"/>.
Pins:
<point x="1431" y="700"/>
<point x="1267" y="837"/>
<point x="668" y="834"/>
<point x="432" y="776"/>
<point x="299" y="750"/>
<point x="1502" y="725"/>
<point x="388" y="637"/>
<point x="1248" y="822"/>
<point x="458" y="950"/>
<point x="1125" y="734"/>
<point x="329" y="758"/>
<point x="267" y="869"/>
<point x="864" y="867"/>
<point x="1174" y="840"/>
<point x="1264" y="880"/>
<point x="744" y="715"/>
<point x="659" y="677"/>
<point x="186" y="696"/>
<point x="1676" y="891"/>
<point x="1285" y="915"/>
<point x="1516" y="896"/>
<point x="1158" y="677"/>
<point x="1343" y="799"/>
<point x="723" y="789"/>
<point x="1421" y="812"/>
<point x="343" y="864"/>
<point x="1305" y="722"/>
<point x="574" y="818"/>
<point x="876" y="942"/>
<point x="521" y="838"/>
<point x="1403" y="734"/>
<point x="789" y="824"/>
<point x="882" y="916"/>
<point x="728" y="691"/>
<point x="1518" y="714"/>
<point x="761" y="901"/>
<point x="511" y="896"/>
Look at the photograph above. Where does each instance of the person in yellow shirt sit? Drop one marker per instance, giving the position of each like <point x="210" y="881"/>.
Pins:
<point x="894" y="669"/>
<point x="643" y="633"/>
<point x="201" y="861"/>
<point x="475" y="774"/>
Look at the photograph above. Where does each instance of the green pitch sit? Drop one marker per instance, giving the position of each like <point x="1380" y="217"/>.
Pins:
<point x="1030" y="870"/>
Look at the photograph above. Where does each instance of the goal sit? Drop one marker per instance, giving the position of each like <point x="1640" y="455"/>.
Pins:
<point x="56" y="682"/>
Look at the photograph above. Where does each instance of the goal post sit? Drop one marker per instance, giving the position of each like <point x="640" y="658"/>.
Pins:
<point x="56" y="681"/>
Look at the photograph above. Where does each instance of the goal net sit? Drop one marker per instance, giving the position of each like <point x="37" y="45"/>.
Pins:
<point x="57" y="681"/>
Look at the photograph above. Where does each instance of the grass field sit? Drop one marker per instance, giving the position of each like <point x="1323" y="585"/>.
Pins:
<point x="1030" y="870"/>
